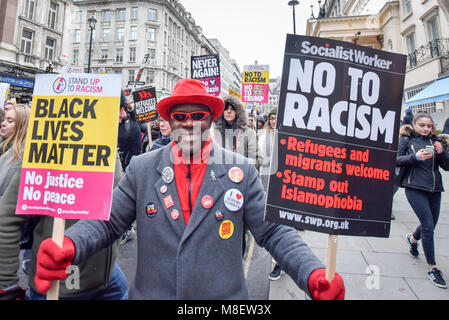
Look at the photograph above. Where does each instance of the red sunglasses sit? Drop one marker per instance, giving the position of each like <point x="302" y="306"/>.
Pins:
<point x="194" y="116"/>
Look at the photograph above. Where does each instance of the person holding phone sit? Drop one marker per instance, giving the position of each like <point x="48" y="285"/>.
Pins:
<point x="423" y="153"/>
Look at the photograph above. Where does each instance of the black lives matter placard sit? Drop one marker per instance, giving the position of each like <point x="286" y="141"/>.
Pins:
<point x="337" y="127"/>
<point x="145" y="102"/>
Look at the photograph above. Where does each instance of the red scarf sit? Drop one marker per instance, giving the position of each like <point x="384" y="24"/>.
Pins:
<point x="190" y="172"/>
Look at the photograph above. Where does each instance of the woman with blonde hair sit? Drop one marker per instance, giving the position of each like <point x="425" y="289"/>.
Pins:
<point x="13" y="132"/>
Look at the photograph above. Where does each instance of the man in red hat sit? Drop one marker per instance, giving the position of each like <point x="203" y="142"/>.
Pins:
<point x="191" y="200"/>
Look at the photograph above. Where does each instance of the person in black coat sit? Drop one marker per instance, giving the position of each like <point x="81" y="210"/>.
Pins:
<point x="446" y="127"/>
<point x="165" y="130"/>
<point x="408" y="118"/>
<point x="129" y="138"/>
<point x="422" y="153"/>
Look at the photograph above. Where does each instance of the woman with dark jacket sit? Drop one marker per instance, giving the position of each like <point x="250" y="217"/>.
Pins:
<point x="422" y="153"/>
<point x="231" y="130"/>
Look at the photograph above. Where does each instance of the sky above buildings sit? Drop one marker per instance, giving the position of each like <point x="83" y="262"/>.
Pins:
<point x="251" y="29"/>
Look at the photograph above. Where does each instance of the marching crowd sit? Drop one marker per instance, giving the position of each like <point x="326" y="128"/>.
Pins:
<point x="192" y="184"/>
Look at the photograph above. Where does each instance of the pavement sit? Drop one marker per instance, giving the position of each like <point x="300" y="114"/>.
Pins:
<point x="381" y="268"/>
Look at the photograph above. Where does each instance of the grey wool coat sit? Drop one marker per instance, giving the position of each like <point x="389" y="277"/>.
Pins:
<point x="175" y="261"/>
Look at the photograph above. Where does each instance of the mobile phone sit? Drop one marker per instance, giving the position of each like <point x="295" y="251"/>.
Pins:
<point x="430" y="149"/>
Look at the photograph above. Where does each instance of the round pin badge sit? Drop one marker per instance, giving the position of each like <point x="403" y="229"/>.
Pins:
<point x="163" y="189"/>
<point x="167" y="175"/>
<point x="233" y="199"/>
<point x="236" y="174"/>
<point x="207" y="202"/>
<point x="151" y="209"/>
<point x="226" y="229"/>
<point x="218" y="215"/>
<point x="174" y="214"/>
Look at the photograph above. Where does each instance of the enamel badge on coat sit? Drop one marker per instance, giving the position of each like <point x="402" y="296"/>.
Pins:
<point x="236" y="174"/>
<point x="233" y="200"/>
<point x="226" y="229"/>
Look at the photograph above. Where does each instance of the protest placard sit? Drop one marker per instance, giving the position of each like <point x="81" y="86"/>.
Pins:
<point x="207" y="70"/>
<point x="69" y="157"/>
<point x="4" y="87"/>
<point x="256" y="83"/>
<point x="145" y="104"/>
<point x="337" y="134"/>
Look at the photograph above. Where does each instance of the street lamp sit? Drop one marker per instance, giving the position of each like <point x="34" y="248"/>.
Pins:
<point x="92" y="21"/>
<point x="293" y="3"/>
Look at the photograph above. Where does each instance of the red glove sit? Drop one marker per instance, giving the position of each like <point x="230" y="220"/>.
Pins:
<point x="321" y="289"/>
<point x="52" y="262"/>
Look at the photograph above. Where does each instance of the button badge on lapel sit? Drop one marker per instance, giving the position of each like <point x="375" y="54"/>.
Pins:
<point x="174" y="214"/>
<point x="167" y="175"/>
<point x="226" y="229"/>
<point x="207" y="202"/>
<point x="236" y="174"/>
<point x="151" y="209"/>
<point x="233" y="200"/>
<point x="218" y="215"/>
<point x="168" y="202"/>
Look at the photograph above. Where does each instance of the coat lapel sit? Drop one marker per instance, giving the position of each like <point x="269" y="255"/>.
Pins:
<point x="212" y="185"/>
<point x="178" y="225"/>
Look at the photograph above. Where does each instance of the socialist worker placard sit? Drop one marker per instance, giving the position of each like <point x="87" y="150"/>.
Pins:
<point x="337" y="136"/>
<point x="70" y="150"/>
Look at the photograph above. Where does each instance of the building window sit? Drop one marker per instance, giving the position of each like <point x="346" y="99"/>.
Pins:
<point x="408" y="6"/>
<point x="132" y="54"/>
<point x="79" y="16"/>
<point x="104" y="54"/>
<point x="152" y="53"/>
<point x="134" y="13"/>
<point x="390" y="45"/>
<point x="27" y="41"/>
<point x="105" y="34"/>
<point x="434" y="36"/>
<point x="120" y="33"/>
<point x="91" y="34"/>
<point x="131" y="76"/>
<point x="121" y="14"/>
<point x="411" y="43"/>
<point x="133" y="33"/>
<point x="107" y="15"/>
<point x="434" y="32"/>
<point x="50" y="49"/>
<point x="52" y="14"/>
<point x="92" y="14"/>
<point x="119" y="55"/>
<point x="30" y="6"/>
<point x="152" y="14"/>
<point x="411" y="46"/>
<point x="76" y="54"/>
<point x="77" y="35"/>
<point x="150" y="77"/>
<point x="151" y="32"/>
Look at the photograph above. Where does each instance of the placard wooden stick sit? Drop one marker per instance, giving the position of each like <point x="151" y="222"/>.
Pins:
<point x="58" y="238"/>
<point x="331" y="257"/>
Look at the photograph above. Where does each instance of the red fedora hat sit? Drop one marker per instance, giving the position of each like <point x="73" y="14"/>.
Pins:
<point x="192" y="92"/>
